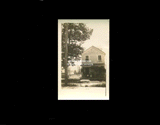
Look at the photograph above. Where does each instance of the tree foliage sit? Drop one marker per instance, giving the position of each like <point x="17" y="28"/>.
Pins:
<point x="77" y="34"/>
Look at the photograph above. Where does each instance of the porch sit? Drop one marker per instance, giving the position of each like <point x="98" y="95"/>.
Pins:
<point x="95" y="72"/>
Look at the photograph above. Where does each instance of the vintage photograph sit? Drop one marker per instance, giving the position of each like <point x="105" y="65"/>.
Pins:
<point x="83" y="59"/>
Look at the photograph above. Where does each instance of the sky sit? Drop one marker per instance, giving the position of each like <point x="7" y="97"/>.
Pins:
<point x="100" y="35"/>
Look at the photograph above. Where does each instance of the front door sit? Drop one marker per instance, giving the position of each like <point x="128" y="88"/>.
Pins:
<point x="87" y="72"/>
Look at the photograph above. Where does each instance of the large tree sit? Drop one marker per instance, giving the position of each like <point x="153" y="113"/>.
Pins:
<point x="77" y="34"/>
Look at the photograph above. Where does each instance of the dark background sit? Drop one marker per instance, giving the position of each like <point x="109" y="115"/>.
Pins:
<point x="29" y="68"/>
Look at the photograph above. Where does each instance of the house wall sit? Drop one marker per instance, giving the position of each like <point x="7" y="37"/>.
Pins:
<point x="93" y="56"/>
<point x="95" y="71"/>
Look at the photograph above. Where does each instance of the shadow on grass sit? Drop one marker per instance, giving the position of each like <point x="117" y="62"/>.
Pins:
<point x="71" y="81"/>
<point x="99" y="85"/>
<point x="69" y="85"/>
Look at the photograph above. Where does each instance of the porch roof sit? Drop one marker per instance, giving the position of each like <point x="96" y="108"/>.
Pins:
<point x="94" y="64"/>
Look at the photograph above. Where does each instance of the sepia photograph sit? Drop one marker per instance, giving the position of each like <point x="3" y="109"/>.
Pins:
<point x="83" y="59"/>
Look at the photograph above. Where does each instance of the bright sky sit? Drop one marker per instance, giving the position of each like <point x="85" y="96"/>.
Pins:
<point x="100" y="35"/>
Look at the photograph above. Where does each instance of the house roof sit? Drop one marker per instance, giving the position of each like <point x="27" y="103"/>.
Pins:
<point x="94" y="48"/>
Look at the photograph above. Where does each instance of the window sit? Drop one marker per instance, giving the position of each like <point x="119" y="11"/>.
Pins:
<point x="87" y="58"/>
<point x="99" y="58"/>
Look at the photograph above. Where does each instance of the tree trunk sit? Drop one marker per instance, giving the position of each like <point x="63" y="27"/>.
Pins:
<point x="66" y="53"/>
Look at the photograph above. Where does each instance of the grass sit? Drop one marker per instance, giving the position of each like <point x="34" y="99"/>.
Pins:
<point x="74" y="84"/>
<point x="69" y="84"/>
<point x="99" y="85"/>
<point x="72" y="81"/>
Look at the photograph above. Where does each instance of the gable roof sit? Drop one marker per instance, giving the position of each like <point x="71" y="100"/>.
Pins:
<point x="94" y="48"/>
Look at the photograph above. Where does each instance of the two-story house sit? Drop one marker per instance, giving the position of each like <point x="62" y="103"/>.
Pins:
<point x="93" y="63"/>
